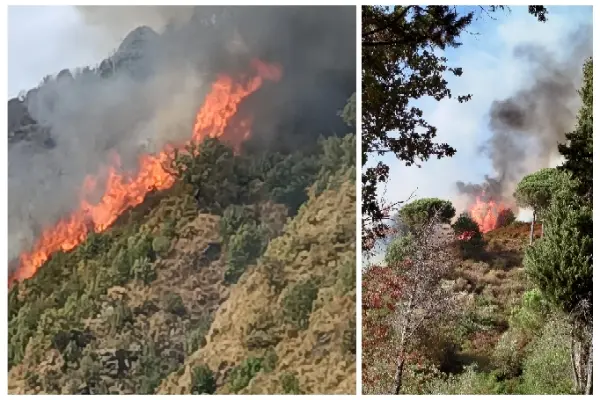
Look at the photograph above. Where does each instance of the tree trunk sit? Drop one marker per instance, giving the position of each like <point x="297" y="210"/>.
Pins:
<point x="542" y="229"/>
<point x="590" y="367"/>
<point x="581" y="360"/>
<point x="574" y="364"/>
<point x="531" y="231"/>
<point x="399" y="372"/>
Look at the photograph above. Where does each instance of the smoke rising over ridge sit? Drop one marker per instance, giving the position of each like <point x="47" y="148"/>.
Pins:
<point x="528" y="126"/>
<point x="148" y="92"/>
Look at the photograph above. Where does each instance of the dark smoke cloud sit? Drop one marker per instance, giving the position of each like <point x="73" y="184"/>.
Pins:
<point x="528" y="126"/>
<point x="68" y="128"/>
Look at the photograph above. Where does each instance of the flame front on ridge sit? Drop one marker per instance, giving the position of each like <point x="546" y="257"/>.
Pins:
<point x="125" y="190"/>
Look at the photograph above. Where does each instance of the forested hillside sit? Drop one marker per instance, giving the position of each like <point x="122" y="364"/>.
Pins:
<point x="232" y="267"/>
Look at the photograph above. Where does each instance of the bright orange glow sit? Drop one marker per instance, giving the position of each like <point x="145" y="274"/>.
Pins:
<point x="485" y="213"/>
<point x="125" y="190"/>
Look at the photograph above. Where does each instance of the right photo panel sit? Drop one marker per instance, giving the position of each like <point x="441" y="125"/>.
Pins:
<point x="477" y="127"/>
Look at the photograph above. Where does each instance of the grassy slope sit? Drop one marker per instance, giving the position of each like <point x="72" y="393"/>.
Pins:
<point x="317" y="244"/>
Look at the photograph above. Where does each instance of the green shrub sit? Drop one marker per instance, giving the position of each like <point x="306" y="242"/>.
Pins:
<point x="167" y="228"/>
<point x="121" y="268"/>
<point x="241" y="375"/>
<point x="297" y="303"/>
<point x="270" y="360"/>
<point x="531" y="313"/>
<point x="400" y="248"/>
<point x="140" y="246"/>
<point x="196" y="338"/>
<point x="547" y="368"/>
<point x="161" y="245"/>
<point x="289" y="383"/>
<point x="149" y="370"/>
<point x="243" y="249"/>
<point x="120" y="316"/>
<point x="234" y="217"/>
<point x="143" y="270"/>
<point x="203" y="380"/>
<point x="173" y="303"/>
<point x="418" y="212"/>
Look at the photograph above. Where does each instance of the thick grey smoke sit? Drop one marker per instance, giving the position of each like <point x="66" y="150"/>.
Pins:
<point x="528" y="126"/>
<point x="148" y="92"/>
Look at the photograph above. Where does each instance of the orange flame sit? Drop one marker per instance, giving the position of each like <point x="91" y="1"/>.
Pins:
<point x="126" y="190"/>
<point x="485" y="213"/>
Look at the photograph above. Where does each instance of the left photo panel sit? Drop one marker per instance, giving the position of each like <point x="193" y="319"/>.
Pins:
<point x="181" y="200"/>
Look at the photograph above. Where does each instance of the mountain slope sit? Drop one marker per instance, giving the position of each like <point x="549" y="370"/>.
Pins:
<point x="317" y="245"/>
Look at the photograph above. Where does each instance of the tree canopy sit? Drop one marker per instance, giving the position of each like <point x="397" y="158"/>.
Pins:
<point x="578" y="151"/>
<point x="536" y="190"/>
<point x="420" y="211"/>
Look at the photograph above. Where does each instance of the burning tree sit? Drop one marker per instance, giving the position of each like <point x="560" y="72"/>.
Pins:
<point x="422" y="298"/>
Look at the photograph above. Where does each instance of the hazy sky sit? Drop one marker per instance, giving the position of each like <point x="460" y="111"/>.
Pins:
<point x="490" y="73"/>
<point x="43" y="40"/>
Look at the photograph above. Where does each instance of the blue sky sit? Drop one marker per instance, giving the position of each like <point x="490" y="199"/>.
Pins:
<point x="490" y="73"/>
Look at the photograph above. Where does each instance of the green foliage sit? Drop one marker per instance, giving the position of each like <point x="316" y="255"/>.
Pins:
<point x="203" y="380"/>
<point x="297" y="303"/>
<point x="209" y="169"/>
<point x="173" y="303"/>
<point x="337" y="159"/>
<point x="289" y="383"/>
<point x="418" y="212"/>
<point x="270" y="360"/>
<point x="287" y="179"/>
<point x="168" y="228"/>
<point x="560" y="263"/>
<point x="120" y="316"/>
<point x="536" y="190"/>
<point x="161" y="245"/>
<point x="530" y="314"/>
<point x="578" y="151"/>
<point x="241" y="375"/>
<point x="150" y="373"/>
<point x="197" y="336"/>
<point x="400" y="248"/>
<point x="234" y="217"/>
<point x="545" y="369"/>
<point x="243" y="249"/>
<point x="94" y="245"/>
<point x="121" y="268"/>
<point x="143" y="270"/>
